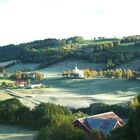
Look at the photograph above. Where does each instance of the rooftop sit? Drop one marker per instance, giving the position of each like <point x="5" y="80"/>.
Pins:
<point x="104" y="122"/>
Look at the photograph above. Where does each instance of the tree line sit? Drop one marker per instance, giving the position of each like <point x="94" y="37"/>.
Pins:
<point x="50" y="51"/>
<point x="131" y="130"/>
<point x="19" y="75"/>
<point x="130" y="39"/>
<point x="14" y="112"/>
<point x="97" y="108"/>
<point x="110" y="73"/>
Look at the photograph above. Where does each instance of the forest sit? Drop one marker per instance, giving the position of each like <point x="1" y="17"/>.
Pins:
<point x="112" y="52"/>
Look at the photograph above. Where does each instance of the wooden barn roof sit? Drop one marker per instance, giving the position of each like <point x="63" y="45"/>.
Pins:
<point x="104" y="122"/>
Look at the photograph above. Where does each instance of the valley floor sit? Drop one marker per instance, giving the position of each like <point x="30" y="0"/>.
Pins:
<point x="74" y="92"/>
<point x="78" y="93"/>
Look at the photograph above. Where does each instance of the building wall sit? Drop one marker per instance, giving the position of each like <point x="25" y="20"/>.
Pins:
<point x="81" y="126"/>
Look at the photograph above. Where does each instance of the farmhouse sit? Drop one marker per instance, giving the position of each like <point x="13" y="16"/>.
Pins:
<point x="21" y="83"/>
<point x="25" y="84"/>
<point x="104" y="122"/>
<point x="78" y="73"/>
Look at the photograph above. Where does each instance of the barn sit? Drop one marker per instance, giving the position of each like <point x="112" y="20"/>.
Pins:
<point x="104" y="122"/>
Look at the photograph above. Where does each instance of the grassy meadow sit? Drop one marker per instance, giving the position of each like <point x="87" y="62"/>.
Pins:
<point x="81" y="92"/>
<point x="5" y="80"/>
<point x="22" y="66"/>
<point x="3" y="64"/>
<point x="57" y="69"/>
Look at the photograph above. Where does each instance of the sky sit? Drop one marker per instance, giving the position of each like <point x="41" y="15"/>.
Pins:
<point x="29" y="20"/>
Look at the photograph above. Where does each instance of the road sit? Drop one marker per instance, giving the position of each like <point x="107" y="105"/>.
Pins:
<point x="11" y="93"/>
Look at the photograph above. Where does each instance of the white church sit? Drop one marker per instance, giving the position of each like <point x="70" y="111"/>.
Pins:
<point x="78" y="73"/>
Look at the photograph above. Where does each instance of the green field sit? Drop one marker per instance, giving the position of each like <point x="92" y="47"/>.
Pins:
<point x="125" y="47"/>
<point x="6" y="80"/>
<point x="3" y="64"/>
<point x="57" y="69"/>
<point x="21" y="66"/>
<point x="88" y="91"/>
<point x="81" y="92"/>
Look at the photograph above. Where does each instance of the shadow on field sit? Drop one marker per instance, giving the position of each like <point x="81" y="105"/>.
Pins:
<point x="94" y="86"/>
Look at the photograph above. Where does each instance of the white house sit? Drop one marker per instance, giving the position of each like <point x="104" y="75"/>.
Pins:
<point x="34" y="85"/>
<point x="78" y="73"/>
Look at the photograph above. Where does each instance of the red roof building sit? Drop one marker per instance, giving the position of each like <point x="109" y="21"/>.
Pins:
<point x="104" y="122"/>
<point x="21" y="83"/>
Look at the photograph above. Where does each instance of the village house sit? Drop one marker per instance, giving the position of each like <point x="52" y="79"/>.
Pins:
<point x="104" y="122"/>
<point x="21" y="83"/>
<point x="25" y="84"/>
<point x="34" y="85"/>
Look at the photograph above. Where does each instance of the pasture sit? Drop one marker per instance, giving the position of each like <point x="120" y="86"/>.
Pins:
<point x="6" y="80"/>
<point x="80" y="92"/>
<point x="22" y="66"/>
<point x="3" y="64"/>
<point x="126" y="47"/>
<point x="57" y="69"/>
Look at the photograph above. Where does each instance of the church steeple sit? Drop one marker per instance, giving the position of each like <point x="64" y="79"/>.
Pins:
<point x="76" y="67"/>
<point x="78" y="73"/>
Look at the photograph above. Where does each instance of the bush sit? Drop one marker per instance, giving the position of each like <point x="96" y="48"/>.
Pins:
<point x="131" y="130"/>
<point x="64" y="131"/>
<point x="9" y="109"/>
<point x="46" y="114"/>
<point x="14" y="112"/>
<point x="98" y="108"/>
